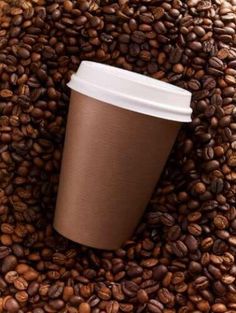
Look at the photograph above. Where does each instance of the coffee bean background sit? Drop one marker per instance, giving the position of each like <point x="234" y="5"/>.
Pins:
<point x="182" y="256"/>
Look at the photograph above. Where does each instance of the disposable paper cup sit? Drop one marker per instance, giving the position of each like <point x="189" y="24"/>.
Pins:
<point x="120" y="129"/>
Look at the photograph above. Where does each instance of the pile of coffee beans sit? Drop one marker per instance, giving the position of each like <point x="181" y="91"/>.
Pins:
<point x="181" y="258"/>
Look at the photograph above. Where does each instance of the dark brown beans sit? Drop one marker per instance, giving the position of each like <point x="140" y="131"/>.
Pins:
<point x="181" y="256"/>
<point x="138" y="37"/>
<point x="23" y="53"/>
<point x="11" y="305"/>
<point x="9" y="263"/>
<point x="159" y="272"/>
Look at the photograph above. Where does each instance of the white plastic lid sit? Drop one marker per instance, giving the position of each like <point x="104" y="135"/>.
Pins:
<point x="132" y="91"/>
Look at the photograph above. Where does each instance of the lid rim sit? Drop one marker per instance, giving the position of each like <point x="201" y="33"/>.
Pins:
<point x="84" y="81"/>
<point x="104" y="95"/>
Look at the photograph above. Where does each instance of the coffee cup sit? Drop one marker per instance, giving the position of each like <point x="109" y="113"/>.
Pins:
<point x="120" y="130"/>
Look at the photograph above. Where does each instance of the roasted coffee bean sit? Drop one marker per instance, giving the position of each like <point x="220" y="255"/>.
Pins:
<point x="56" y="304"/>
<point x="55" y="291"/>
<point x="134" y="271"/>
<point x="191" y="242"/>
<point x="195" y="229"/>
<point x="165" y="296"/>
<point x="33" y="288"/>
<point x="126" y="307"/>
<point x="9" y="263"/>
<point x="155" y="306"/>
<point x="174" y="233"/>
<point x="138" y="37"/>
<point x="11" y="276"/>
<point x="23" y="53"/>
<point x="117" y="292"/>
<point x="142" y="296"/>
<point x="4" y="252"/>
<point x="159" y="272"/>
<point x="218" y="308"/>
<point x="11" y="305"/>
<point x="21" y="296"/>
<point x="104" y="293"/>
<point x="216" y="63"/>
<point x="201" y="282"/>
<point x="221" y="222"/>
<point x="84" y="308"/>
<point x="129" y="288"/>
<point x="112" y="307"/>
<point x="20" y="283"/>
<point x="179" y="249"/>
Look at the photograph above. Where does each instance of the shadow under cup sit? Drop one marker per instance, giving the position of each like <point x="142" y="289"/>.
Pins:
<point x="112" y="159"/>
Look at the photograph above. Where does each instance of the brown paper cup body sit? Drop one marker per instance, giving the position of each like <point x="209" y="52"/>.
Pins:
<point x="111" y="163"/>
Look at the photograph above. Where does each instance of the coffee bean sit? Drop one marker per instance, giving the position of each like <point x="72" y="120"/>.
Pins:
<point x="221" y="222"/>
<point x="200" y="31"/>
<point x="159" y="272"/>
<point x="4" y="252"/>
<point x="191" y="242"/>
<point x="129" y="288"/>
<point x="216" y="63"/>
<point x="155" y="306"/>
<point x="195" y="45"/>
<point x="203" y="306"/>
<point x="217" y="185"/>
<point x="149" y="263"/>
<point x="138" y="37"/>
<point x="11" y="305"/>
<point x="56" y="304"/>
<point x="178" y="68"/>
<point x="160" y="27"/>
<point x="68" y="5"/>
<point x="199" y="188"/>
<point x="201" y="282"/>
<point x="112" y="307"/>
<point x="126" y="307"/>
<point x="55" y="291"/>
<point x="232" y="240"/>
<point x="232" y="161"/>
<point x="211" y="165"/>
<point x="175" y="55"/>
<point x="218" y="308"/>
<point x="23" y="53"/>
<point x="20" y="283"/>
<point x="174" y="233"/>
<point x="104" y="293"/>
<point x="9" y="263"/>
<point x="6" y="93"/>
<point x="195" y="229"/>
<point x="21" y="296"/>
<point x="11" y="276"/>
<point x="33" y="288"/>
<point x="167" y="219"/>
<point x="209" y="83"/>
<point x="3" y="285"/>
<point x="179" y="248"/>
<point x="84" y="308"/>
<point x="22" y="268"/>
<point x="228" y="279"/>
<point x="117" y="292"/>
<point x="134" y="271"/>
<point x="165" y="296"/>
<point x="142" y="296"/>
